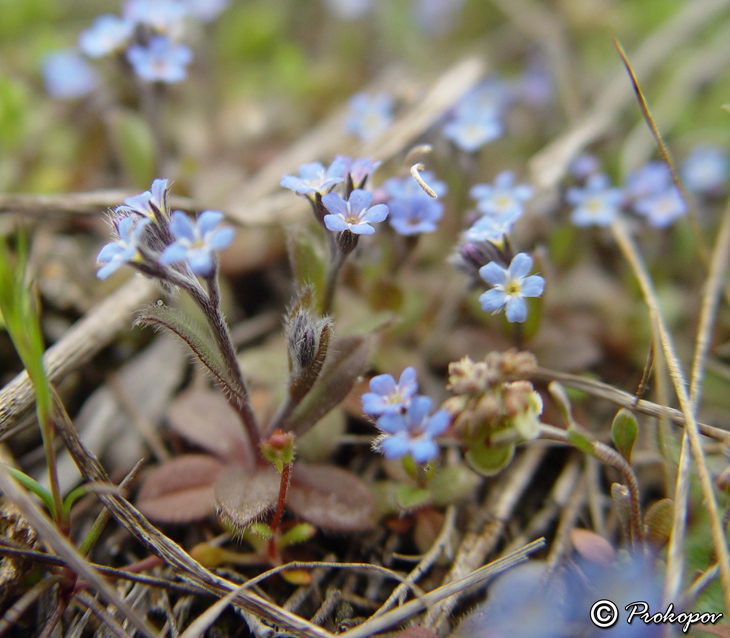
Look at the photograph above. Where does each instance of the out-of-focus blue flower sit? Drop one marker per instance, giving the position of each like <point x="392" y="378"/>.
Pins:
<point x="159" y="15"/>
<point x="196" y="242"/>
<point x="503" y="198"/>
<point x="350" y="9"/>
<point x="161" y="60"/>
<point x="388" y="397"/>
<point x="109" y="34"/>
<point x="359" y="169"/>
<point x="583" y="166"/>
<point x="436" y="17"/>
<point x="663" y="209"/>
<point x="369" y="116"/>
<point x="413" y="432"/>
<point x="314" y="178"/>
<point x="415" y="215"/>
<point x="205" y="10"/>
<point x="67" y="75"/>
<point x="651" y="179"/>
<point x="492" y="96"/>
<point x="125" y="249"/>
<point x="407" y="187"/>
<point x="511" y="286"/>
<point x="535" y="86"/>
<point x="706" y="170"/>
<point x="152" y="203"/>
<point x="473" y="129"/>
<point x="491" y="228"/>
<point x="597" y="204"/>
<point x="354" y="215"/>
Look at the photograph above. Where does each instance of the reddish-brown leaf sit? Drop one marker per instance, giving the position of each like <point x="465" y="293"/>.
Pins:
<point x="331" y="498"/>
<point x="180" y="490"/>
<point x="241" y="497"/>
<point x="206" y="419"/>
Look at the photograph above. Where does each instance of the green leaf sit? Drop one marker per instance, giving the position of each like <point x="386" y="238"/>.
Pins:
<point x="134" y="144"/>
<point x="261" y="530"/>
<point x="581" y="441"/>
<point x="300" y="533"/>
<point x="452" y="484"/>
<point x="308" y="261"/>
<point x="198" y="339"/>
<point x="346" y="360"/>
<point x="624" y="431"/>
<point x="658" y="521"/>
<point x="33" y="486"/>
<point x="410" y="497"/>
<point x="488" y="461"/>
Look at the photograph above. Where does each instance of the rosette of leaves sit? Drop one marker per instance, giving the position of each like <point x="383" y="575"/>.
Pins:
<point x="494" y="408"/>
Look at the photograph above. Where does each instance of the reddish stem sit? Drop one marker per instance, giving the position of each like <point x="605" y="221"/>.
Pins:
<point x="283" y="487"/>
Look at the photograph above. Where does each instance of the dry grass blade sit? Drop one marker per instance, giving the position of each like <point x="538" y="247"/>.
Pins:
<point x="21" y="605"/>
<point x="200" y="625"/>
<point x="708" y="315"/>
<point x="395" y="616"/>
<point x="88" y="601"/>
<point x="630" y="251"/>
<point x="84" y="339"/>
<point x="61" y="545"/>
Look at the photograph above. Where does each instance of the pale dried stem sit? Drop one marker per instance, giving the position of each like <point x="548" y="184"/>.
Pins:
<point x="627" y="246"/>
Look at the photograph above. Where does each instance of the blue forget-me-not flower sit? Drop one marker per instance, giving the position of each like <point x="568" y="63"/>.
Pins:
<point x="67" y="75"/>
<point x="651" y="179"/>
<point x="314" y="178"/>
<point x="388" y="397"/>
<point x="109" y="34"/>
<point x="369" y="116"/>
<point x="196" y="242"/>
<point x="359" y="169"/>
<point x="491" y="228"/>
<point x="125" y="249"/>
<point x="503" y="198"/>
<point x="152" y="203"/>
<point x="473" y="129"/>
<point x="354" y="215"/>
<point x="161" y="60"/>
<point x="662" y="209"/>
<point x="413" y="432"/>
<point x="511" y="286"/>
<point x="412" y="210"/>
<point x="596" y="204"/>
<point x="160" y="15"/>
<point x="706" y="170"/>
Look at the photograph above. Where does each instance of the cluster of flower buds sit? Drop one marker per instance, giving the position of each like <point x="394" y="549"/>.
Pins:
<point x="493" y="407"/>
<point x="165" y="245"/>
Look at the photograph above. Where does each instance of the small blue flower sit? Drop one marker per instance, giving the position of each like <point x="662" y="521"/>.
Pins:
<point x="109" y="34"/>
<point x="360" y="169"/>
<point x="387" y="397"/>
<point x="663" y="209"/>
<point x="473" y="129"/>
<point x="491" y="97"/>
<point x="67" y="75"/>
<point x="492" y="228"/>
<point x="511" y="286"/>
<point x="583" y="166"/>
<point x="536" y="86"/>
<point x="152" y="203"/>
<point x="197" y="241"/>
<point x="125" y="249"/>
<point x="413" y="432"/>
<point x="407" y="187"/>
<point x="706" y="170"/>
<point x="503" y="198"/>
<point x="369" y="116"/>
<point x="354" y="215"/>
<point x="415" y="215"/>
<point x="597" y="204"/>
<point x="205" y="10"/>
<point x="160" y="15"/>
<point x="161" y="60"/>
<point x="651" y="179"/>
<point x="313" y="178"/>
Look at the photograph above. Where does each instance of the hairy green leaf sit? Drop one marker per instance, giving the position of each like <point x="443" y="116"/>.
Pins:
<point x="242" y="497"/>
<point x="488" y="461"/>
<point x="624" y="431"/>
<point x="658" y="521"/>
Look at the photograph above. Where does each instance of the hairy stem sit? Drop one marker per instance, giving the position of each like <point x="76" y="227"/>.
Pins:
<point x="283" y="488"/>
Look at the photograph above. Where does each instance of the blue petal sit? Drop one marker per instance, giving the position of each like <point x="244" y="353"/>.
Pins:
<point x="532" y="286"/>
<point x="173" y="254"/>
<point x="109" y="252"/>
<point x="392" y="423"/>
<point x="208" y="220"/>
<point x="492" y="300"/>
<point x="407" y="380"/>
<point x="296" y="184"/>
<point x="336" y="168"/>
<point x="105" y="271"/>
<point x="516" y="309"/>
<point x="520" y="266"/>
<point x="201" y="262"/>
<point x="311" y="170"/>
<point x="125" y="228"/>
<point x="375" y="214"/>
<point x="335" y="204"/>
<point x="522" y="192"/>
<point x="383" y="384"/>
<point x="438" y="423"/>
<point x="395" y="446"/>
<point x="360" y="200"/>
<point x="221" y="238"/>
<point x="423" y="450"/>
<point x="335" y="223"/>
<point x="373" y="404"/>
<point x="361" y="229"/>
<point x="504" y="180"/>
<point x="493" y="274"/>
<point x="181" y="227"/>
<point x="480" y="191"/>
<point x="418" y="410"/>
